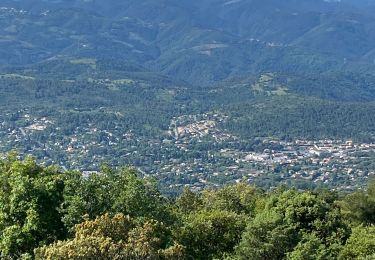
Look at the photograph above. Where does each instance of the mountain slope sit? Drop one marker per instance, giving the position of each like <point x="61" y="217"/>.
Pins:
<point x="201" y="42"/>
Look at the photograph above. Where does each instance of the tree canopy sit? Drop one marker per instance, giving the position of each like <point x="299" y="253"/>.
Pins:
<point x="47" y="213"/>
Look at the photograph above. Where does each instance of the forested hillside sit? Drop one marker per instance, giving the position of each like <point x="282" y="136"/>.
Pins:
<point x="47" y="213"/>
<point x="81" y="112"/>
<point x="199" y="42"/>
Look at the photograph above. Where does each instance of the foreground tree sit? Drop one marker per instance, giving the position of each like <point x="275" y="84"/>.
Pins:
<point x="30" y="197"/>
<point x="361" y="244"/>
<point x="210" y="234"/>
<point x="240" y="198"/>
<point x="115" y="237"/>
<point x="112" y="191"/>
<point x="359" y="207"/>
<point x="114" y="214"/>
<point x="266" y="237"/>
<point x="40" y="205"/>
<point x="294" y="221"/>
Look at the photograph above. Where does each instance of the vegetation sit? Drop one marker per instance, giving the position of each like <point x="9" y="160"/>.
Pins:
<point x="222" y="40"/>
<point x="70" y="112"/>
<point x="194" y="95"/>
<point x="46" y="213"/>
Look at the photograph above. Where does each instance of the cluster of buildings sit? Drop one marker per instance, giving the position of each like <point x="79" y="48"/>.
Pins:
<point x="319" y="161"/>
<point x="198" y="127"/>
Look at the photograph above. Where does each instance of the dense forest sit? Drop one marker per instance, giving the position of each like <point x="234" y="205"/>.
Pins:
<point x="47" y="213"/>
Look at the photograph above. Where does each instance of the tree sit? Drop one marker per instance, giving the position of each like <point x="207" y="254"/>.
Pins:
<point x="359" y="207"/>
<point x="360" y="245"/>
<point x="115" y="237"/>
<point x="266" y="237"/>
<point x="188" y="202"/>
<point x="309" y="248"/>
<point x="210" y="234"/>
<point x="29" y="201"/>
<point x="239" y="198"/>
<point x="112" y="191"/>
<point x="287" y="220"/>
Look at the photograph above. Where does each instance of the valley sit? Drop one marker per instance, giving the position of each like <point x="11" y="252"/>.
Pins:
<point x="196" y="153"/>
<point x="191" y="99"/>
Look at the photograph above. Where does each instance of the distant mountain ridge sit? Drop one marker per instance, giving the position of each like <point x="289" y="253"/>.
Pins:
<point x="200" y="42"/>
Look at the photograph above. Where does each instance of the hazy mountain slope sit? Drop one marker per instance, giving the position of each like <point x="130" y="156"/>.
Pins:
<point x="200" y="42"/>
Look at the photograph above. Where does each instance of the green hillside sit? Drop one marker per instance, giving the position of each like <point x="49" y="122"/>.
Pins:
<point x="80" y="112"/>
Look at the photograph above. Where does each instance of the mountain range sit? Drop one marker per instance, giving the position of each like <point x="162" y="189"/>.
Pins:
<point x="200" y="42"/>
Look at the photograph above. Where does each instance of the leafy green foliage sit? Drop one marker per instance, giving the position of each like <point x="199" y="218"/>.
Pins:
<point x="266" y="237"/>
<point x="360" y="245"/>
<point x="30" y="197"/>
<point x="49" y="214"/>
<point x="294" y="222"/>
<point x="112" y="238"/>
<point x="41" y="205"/>
<point x="112" y="191"/>
<point x="310" y="247"/>
<point x="240" y="198"/>
<point x="210" y="234"/>
<point x="359" y="207"/>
